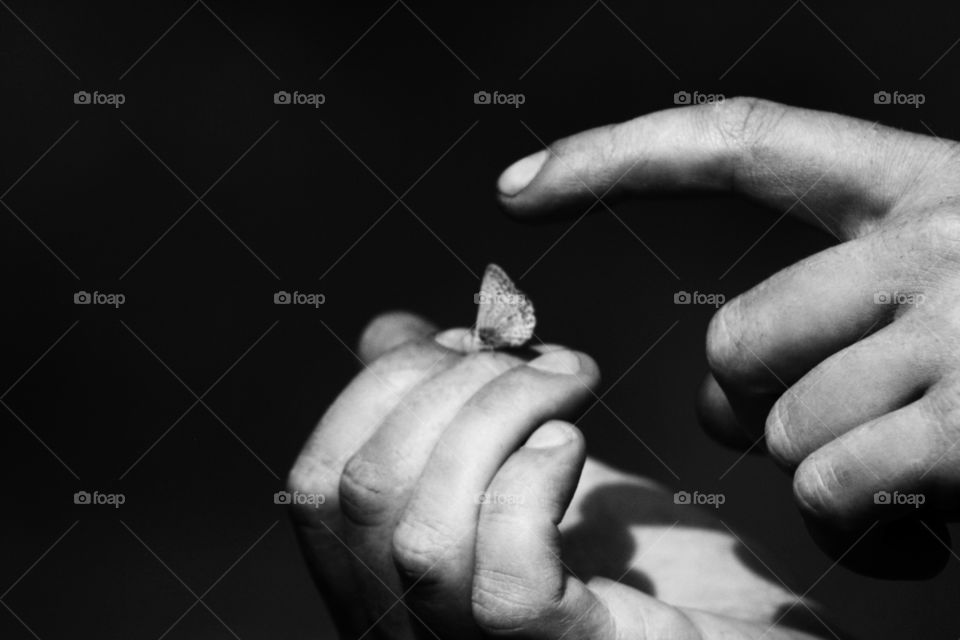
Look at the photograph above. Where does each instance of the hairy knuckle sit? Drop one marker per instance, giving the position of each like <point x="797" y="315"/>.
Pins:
<point x="504" y="603"/>
<point x="420" y="546"/>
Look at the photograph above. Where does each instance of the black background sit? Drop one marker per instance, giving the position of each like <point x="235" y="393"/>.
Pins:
<point x="304" y="209"/>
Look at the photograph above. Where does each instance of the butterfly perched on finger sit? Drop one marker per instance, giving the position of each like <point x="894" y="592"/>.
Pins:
<point x="505" y="316"/>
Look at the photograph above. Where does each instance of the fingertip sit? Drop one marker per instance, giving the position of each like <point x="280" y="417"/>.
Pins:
<point x="389" y="330"/>
<point x="521" y="173"/>
<point x="458" y="339"/>
<point x="553" y="433"/>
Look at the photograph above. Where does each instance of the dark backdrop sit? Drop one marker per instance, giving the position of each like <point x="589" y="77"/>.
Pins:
<point x="192" y="398"/>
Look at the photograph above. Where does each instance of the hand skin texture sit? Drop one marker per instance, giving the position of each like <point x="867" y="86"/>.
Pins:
<point x="447" y="479"/>
<point x="846" y="364"/>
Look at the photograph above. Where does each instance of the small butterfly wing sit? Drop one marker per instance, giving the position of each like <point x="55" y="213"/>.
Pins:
<point x="505" y="317"/>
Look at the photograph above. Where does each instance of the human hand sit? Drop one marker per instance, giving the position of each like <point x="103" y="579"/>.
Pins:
<point x="444" y="476"/>
<point x="846" y="363"/>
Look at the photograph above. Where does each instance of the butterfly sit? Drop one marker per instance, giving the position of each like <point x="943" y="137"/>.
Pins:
<point x="505" y="316"/>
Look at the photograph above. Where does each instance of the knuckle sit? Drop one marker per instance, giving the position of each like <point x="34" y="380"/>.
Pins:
<point x="742" y="122"/>
<point x="816" y="487"/>
<point x="312" y="476"/>
<point x="939" y="233"/>
<point x="419" y="547"/>
<point x="506" y="604"/>
<point x="365" y="491"/>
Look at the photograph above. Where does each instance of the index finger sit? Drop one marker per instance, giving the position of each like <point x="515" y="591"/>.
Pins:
<point x="774" y="153"/>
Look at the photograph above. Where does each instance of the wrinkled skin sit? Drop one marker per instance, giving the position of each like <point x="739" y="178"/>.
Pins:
<point x="844" y="367"/>
<point x="448" y="478"/>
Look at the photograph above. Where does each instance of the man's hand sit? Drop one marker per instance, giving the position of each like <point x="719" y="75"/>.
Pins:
<point x="847" y="362"/>
<point x="431" y="498"/>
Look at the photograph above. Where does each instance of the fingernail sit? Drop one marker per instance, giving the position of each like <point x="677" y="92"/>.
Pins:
<point x="457" y="339"/>
<point x="521" y="173"/>
<point x="561" y="361"/>
<point x="551" y="434"/>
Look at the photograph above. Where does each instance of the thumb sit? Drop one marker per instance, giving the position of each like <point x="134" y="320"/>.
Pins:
<point x="520" y="585"/>
<point x="390" y="330"/>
